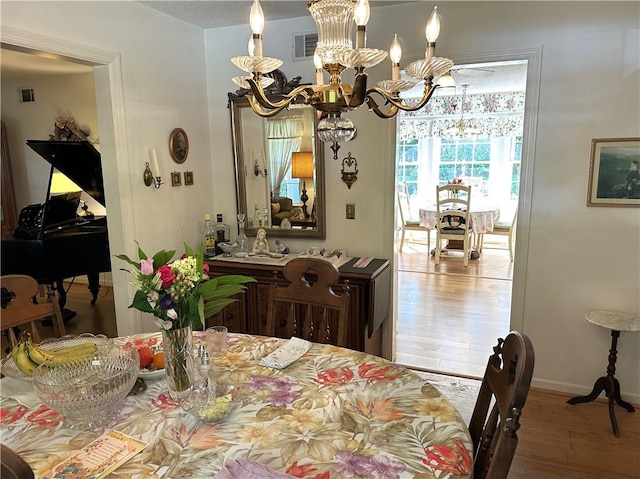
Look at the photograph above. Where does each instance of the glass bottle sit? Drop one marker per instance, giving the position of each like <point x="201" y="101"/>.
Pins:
<point x="265" y="218"/>
<point x="243" y="241"/>
<point x="221" y="232"/>
<point x="209" y="237"/>
<point x="257" y="219"/>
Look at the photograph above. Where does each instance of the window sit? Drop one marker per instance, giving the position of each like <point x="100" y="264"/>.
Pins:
<point x="407" y="166"/>
<point x="516" y="163"/>
<point x="460" y="157"/>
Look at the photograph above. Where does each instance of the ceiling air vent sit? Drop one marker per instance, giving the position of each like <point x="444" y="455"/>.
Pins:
<point x="26" y="95"/>
<point x="304" y="44"/>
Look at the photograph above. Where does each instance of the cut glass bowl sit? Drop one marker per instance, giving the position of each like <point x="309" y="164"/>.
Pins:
<point x="218" y="406"/>
<point x="10" y="369"/>
<point x="361" y="57"/>
<point x="88" y="389"/>
<point x="393" y="86"/>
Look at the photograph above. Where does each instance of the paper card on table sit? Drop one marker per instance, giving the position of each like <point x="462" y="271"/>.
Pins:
<point x="98" y="458"/>
<point x="287" y="354"/>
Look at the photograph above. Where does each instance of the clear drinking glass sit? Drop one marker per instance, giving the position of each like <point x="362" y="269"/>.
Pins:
<point x="217" y="341"/>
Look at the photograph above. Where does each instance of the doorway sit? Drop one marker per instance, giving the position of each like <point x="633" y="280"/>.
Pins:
<point x="449" y="316"/>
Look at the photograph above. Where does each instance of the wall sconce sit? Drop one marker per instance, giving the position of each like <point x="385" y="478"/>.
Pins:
<point x="149" y="179"/>
<point x="302" y="167"/>
<point x="259" y="172"/>
<point x="147" y="176"/>
<point x="349" y="177"/>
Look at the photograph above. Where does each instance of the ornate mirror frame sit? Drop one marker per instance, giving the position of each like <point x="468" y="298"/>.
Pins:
<point x="248" y="168"/>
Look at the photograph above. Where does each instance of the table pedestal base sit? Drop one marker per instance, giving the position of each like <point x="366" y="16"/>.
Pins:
<point x="610" y="385"/>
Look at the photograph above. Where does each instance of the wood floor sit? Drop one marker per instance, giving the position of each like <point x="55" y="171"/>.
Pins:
<point x="450" y="316"/>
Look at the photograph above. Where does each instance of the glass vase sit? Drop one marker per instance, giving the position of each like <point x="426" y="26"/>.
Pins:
<point x="179" y="362"/>
<point x="243" y="240"/>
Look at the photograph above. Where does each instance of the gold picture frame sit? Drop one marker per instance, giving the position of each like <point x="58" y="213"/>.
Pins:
<point x="178" y="145"/>
<point x="176" y="178"/>
<point x="614" y="172"/>
<point x="188" y="178"/>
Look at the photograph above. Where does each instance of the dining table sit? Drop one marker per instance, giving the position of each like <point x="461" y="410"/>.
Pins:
<point x="333" y="413"/>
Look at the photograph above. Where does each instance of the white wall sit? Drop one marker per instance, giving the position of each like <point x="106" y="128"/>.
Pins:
<point x="163" y="83"/>
<point x="70" y="96"/>
<point x="578" y="258"/>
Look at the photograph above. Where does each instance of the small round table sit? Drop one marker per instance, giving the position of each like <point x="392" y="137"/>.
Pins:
<point x="616" y="322"/>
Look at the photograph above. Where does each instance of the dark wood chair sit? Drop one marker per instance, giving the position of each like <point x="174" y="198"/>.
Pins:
<point x="12" y="466"/>
<point x="308" y="307"/>
<point x="504" y="388"/>
<point x="18" y="307"/>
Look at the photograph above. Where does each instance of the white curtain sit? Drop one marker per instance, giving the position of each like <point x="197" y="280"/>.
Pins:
<point x="284" y="137"/>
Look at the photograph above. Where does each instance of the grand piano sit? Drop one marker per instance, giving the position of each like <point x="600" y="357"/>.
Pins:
<point x="52" y="242"/>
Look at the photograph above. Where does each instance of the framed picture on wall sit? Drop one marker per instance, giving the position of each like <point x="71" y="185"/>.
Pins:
<point x="176" y="178"/>
<point x="178" y="145"/>
<point x="614" y="172"/>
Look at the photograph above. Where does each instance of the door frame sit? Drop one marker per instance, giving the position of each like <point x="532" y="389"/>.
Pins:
<point x="533" y="56"/>
<point x="107" y="69"/>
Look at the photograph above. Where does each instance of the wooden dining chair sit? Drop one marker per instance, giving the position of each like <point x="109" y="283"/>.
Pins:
<point x="18" y="307"/>
<point x="308" y="307"/>
<point x="407" y="221"/>
<point x="453" y="203"/>
<point x="12" y="466"/>
<point x="502" y="228"/>
<point x="504" y="388"/>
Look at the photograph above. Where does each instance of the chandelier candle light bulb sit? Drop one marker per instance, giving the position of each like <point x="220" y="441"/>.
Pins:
<point x="256" y="21"/>
<point x="395" y="54"/>
<point x="361" y="17"/>
<point x="317" y="62"/>
<point x="432" y="31"/>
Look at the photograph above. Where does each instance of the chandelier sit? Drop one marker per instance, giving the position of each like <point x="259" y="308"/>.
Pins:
<point x="335" y="54"/>
<point x="462" y="129"/>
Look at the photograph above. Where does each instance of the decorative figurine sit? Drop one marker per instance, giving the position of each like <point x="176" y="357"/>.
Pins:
<point x="260" y="245"/>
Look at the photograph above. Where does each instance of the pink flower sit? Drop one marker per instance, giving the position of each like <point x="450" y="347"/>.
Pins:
<point x="205" y="267"/>
<point x="166" y="276"/>
<point x="146" y="266"/>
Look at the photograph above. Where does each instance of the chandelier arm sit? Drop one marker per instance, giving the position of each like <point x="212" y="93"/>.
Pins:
<point x="359" y="91"/>
<point x="261" y="98"/>
<point x="396" y="102"/>
<point x="259" y="110"/>
<point x="373" y="106"/>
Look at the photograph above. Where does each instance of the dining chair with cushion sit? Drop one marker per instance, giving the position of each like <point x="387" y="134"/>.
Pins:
<point x="407" y="221"/>
<point x="23" y="304"/>
<point x="496" y="417"/>
<point x="308" y="307"/>
<point x="452" y="218"/>
<point x="502" y="228"/>
<point x="12" y="466"/>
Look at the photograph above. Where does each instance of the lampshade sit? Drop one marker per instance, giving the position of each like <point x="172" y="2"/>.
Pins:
<point x="302" y="164"/>
<point x="60" y="183"/>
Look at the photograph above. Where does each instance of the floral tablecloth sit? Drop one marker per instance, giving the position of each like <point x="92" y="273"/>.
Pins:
<point x="334" y="413"/>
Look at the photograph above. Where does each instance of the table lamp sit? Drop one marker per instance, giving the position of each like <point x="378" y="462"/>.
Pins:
<point x="302" y="167"/>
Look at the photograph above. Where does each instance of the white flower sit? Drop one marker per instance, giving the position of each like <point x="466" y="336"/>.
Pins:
<point x="172" y="313"/>
<point x="167" y="324"/>
<point x="158" y="322"/>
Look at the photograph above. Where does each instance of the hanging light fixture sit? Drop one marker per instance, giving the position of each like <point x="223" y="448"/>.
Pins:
<point x="334" y="54"/>
<point x="462" y="129"/>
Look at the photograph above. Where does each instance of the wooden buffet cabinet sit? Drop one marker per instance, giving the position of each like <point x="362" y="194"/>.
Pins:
<point x="369" y="289"/>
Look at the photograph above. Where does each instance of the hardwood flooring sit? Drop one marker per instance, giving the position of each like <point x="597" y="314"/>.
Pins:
<point x="449" y="316"/>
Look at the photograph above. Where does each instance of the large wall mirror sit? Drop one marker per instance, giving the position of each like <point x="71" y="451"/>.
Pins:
<point x="279" y="170"/>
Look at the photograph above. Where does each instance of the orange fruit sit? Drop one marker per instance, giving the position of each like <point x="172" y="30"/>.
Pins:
<point x="146" y="357"/>
<point x="158" y="360"/>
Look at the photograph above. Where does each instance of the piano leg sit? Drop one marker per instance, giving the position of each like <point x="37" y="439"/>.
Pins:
<point x="67" y="314"/>
<point x="94" y="285"/>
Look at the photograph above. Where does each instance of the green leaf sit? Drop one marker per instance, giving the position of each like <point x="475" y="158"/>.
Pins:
<point x="141" y="254"/>
<point x="235" y="278"/>
<point x="213" y="307"/>
<point x="162" y="257"/>
<point x="140" y="302"/>
<point x="124" y="257"/>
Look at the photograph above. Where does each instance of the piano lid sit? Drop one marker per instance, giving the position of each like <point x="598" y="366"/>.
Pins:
<point x="78" y="160"/>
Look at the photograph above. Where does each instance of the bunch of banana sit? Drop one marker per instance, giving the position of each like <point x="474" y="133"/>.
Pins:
<point x="27" y="356"/>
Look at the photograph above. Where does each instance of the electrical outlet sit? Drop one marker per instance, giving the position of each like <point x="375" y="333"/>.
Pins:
<point x="351" y="211"/>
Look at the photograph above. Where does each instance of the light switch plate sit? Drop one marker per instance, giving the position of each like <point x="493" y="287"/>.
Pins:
<point x="351" y="211"/>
